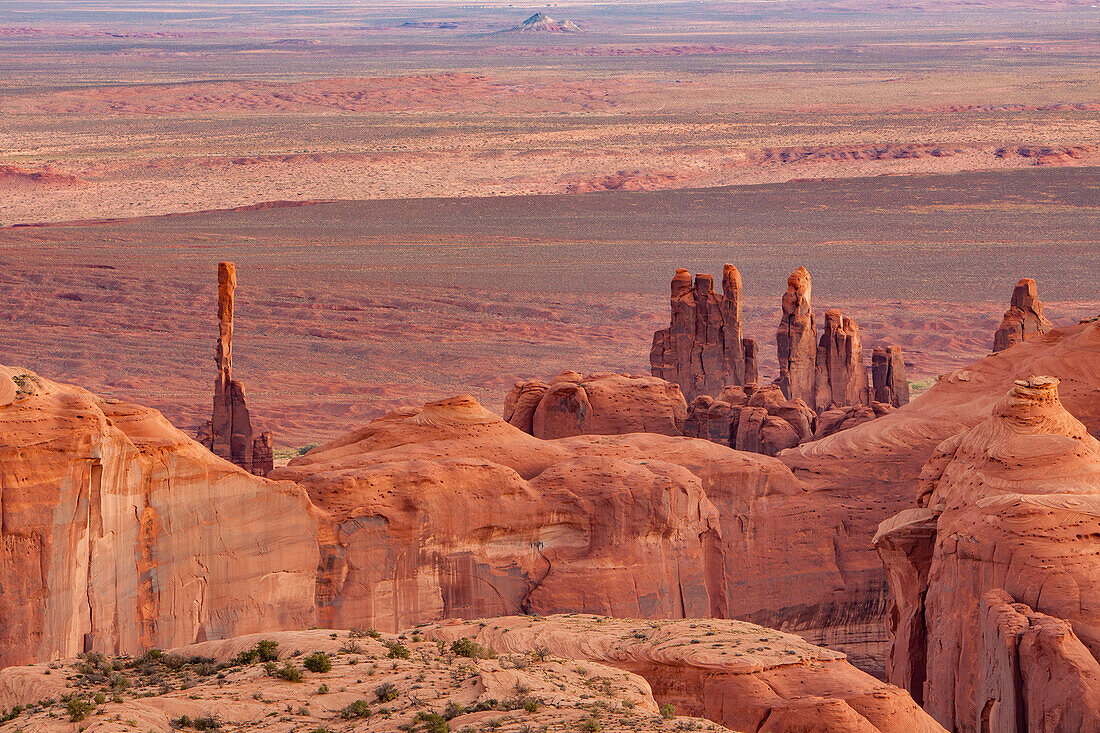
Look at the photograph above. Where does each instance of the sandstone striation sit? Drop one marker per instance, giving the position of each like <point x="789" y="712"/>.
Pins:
<point x="795" y="340"/>
<point x="1024" y="318"/>
<point x="703" y="349"/>
<point x="230" y="434"/>
<point x="572" y="404"/>
<point x="996" y="574"/>
<point x="120" y="533"/>
<point x="888" y="378"/>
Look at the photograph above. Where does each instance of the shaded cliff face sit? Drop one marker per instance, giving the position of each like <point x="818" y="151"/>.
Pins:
<point x="1009" y="507"/>
<point x="860" y="476"/>
<point x="450" y="511"/>
<point x="119" y="532"/>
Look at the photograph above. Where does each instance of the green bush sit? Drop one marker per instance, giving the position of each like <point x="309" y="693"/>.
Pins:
<point x="386" y="692"/>
<point x="265" y="651"/>
<point x="289" y="672"/>
<point x="433" y="723"/>
<point x="668" y="711"/>
<point x="357" y="709"/>
<point x="469" y="648"/>
<point x="318" y="662"/>
<point x="397" y="650"/>
<point x="77" y="709"/>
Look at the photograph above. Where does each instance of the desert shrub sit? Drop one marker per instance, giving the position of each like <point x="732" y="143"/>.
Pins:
<point x="289" y="672"/>
<point x="357" y="709"/>
<point x="322" y="690"/>
<point x="591" y="725"/>
<point x="203" y="722"/>
<point x="668" y="711"/>
<point x="433" y="723"/>
<point x="78" y="709"/>
<point x="386" y="692"/>
<point x="469" y="648"/>
<point x="100" y="698"/>
<point x="318" y="662"/>
<point x="397" y="650"/>
<point x="351" y="646"/>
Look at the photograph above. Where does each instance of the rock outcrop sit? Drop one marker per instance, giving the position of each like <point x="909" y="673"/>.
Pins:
<point x="229" y="433"/>
<point x="120" y="533"/>
<point x="703" y="349"/>
<point x="858" y="476"/>
<point x="558" y="673"/>
<point x="1008" y="511"/>
<point x="599" y="404"/>
<point x="761" y="422"/>
<point x="796" y="340"/>
<point x="1023" y="319"/>
<point x="742" y="676"/>
<point x="840" y="374"/>
<point x="888" y="378"/>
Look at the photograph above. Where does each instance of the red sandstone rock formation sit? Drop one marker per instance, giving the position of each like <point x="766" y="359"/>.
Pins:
<point x="230" y="433"/>
<point x="840" y="376"/>
<point x="1024" y="318"/>
<point x="1008" y="510"/>
<point x="856" y="477"/>
<point x="836" y="419"/>
<point x="742" y="676"/>
<point x="888" y="377"/>
<point x="120" y="533"/>
<point x="796" y="340"/>
<point x="776" y="424"/>
<point x="703" y="349"/>
<point x="599" y="404"/>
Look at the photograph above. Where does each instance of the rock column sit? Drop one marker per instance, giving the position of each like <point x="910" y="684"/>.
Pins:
<point x="891" y="386"/>
<point x="840" y="374"/>
<point x="795" y="340"/>
<point x="1024" y="318"/>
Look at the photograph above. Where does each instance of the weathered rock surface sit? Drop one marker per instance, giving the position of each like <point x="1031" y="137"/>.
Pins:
<point x="121" y="533"/>
<point x="891" y="387"/>
<point x="703" y="349"/>
<point x="229" y="433"/>
<point x="1024" y="318"/>
<point x="860" y="475"/>
<point x="599" y="404"/>
<point x="1010" y="507"/>
<point x="367" y="689"/>
<point x="796" y="340"/>
<point x="743" y="676"/>
<point x="834" y="420"/>
<point x="840" y="376"/>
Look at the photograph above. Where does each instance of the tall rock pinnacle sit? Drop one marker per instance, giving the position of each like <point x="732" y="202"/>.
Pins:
<point x="796" y="340"/>
<point x="230" y="433"/>
<point x="840" y="376"/>
<point x="1024" y="318"/>
<point x="703" y="350"/>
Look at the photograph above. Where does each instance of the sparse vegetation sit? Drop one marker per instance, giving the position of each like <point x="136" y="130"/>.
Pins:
<point x="318" y="662"/>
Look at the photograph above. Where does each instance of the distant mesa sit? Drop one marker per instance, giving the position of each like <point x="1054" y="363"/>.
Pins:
<point x="542" y="23"/>
<point x="446" y="25"/>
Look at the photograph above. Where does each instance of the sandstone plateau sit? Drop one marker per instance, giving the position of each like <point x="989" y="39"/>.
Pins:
<point x="556" y="673"/>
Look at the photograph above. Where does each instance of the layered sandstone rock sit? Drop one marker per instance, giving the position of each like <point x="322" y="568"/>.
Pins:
<point x="703" y="349"/>
<point x="120" y="533"/>
<point x="796" y="340"/>
<point x="571" y="404"/>
<point x="1010" y="506"/>
<point x="891" y="387"/>
<point x="743" y="676"/>
<point x="858" y="476"/>
<point x="527" y="690"/>
<point x="834" y="420"/>
<point x="1024" y="318"/>
<point x="761" y="422"/>
<point x="840" y="376"/>
<point x="229" y="433"/>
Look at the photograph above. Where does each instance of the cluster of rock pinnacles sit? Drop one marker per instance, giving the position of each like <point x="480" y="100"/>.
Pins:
<point x="229" y="432"/>
<point x="823" y="384"/>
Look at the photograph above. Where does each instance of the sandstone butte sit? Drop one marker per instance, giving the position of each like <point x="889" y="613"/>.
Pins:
<point x="995" y="574"/>
<point x="557" y="673"/>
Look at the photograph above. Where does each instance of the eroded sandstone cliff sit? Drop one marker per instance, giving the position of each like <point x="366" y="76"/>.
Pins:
<point x="119" y="532"/>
